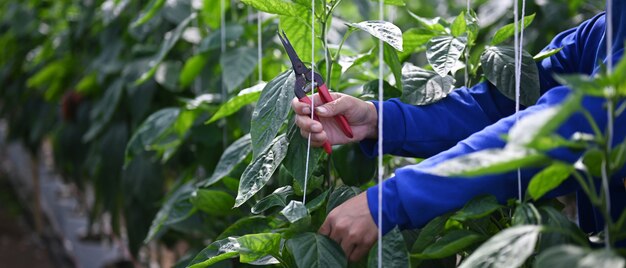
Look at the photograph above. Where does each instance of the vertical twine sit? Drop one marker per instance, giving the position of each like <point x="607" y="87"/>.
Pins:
<point x="259" y="45"/>
<point x="223" y="49"/>
<point x="381" y="12"/>
<point x="308" y="148"/>
<point x="610" y="123"/>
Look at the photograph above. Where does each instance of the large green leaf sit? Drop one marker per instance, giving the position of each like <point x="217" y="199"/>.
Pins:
<point x="490" y="161"/>
<point x="170" y="39"/>
<point x="340" y="195"/>
<point x="314" y="250"/>
<point x="232" y="156"/>
<point x="103" y="111"/>
<point x="176" y="208"/>
<point x="294" y="211"/>
<point x="278" y="198"/>
<point x="298" y="30"/>
<point x="150" y="130"/>
<point x="296" y="162"/>
<point x="509" y="248"/>
<point x="249" y="225"/>
<point x="383" y="30"/>
<point x="215" y="252"/>
<point x="459" y="25"/>
<point x="429" y="234"/>
<point x="192" y="68"/>
<point x="245" y="97"/>
<point x="423" y="87"/>
<point x="477" y="208"/>
<point x="391" y="58"/>
<point x="271" y="111"/>
<point x="255" y="246"/>
<point x="258" y="173"/>
<point x="395" y="253"/>
<point x="569" y="256"/>
<point x="148" y="12"/>
<point x="508" y="30"/>
<point x="213" y="202"/>
<point x="499" y="66"/>
<point x="237" y="66"/>
<point x="548" y="179"/>
<point x="414" y="39"/>
<point x="232" y="32"/>
<point x="279" y="7"/>
<point x="444" y="52"/>
<point x="450" y="244"/>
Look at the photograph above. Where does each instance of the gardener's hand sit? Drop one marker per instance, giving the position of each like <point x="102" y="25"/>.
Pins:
<point x="361" y="116"/>
<point x="351" y="225"/>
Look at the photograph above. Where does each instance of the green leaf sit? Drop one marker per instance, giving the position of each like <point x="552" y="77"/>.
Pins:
<point x="395" y="253"/>
<point x="340" y="195"/>
<point x="567" y="256"/>
<point x="232" y="33"/>
<point x="104" y="109"/>
<point x="295" y="211"/>
<point x="150" y="130"/>
<point x="509" y="248"/>
<point x="167" y="75"/>
<point x="451" y="243"/>
<point x="548" y="179"/>
<point x="192" y="69"/>
<point x="490" y="161"/>
<point x="370" y="90"/>
<point x="348" y="156"/>
<point x="429" y="234"/>
<point x="271" y="111"/>
<point x="383" y="30"/>
<point x="212" y="202"/>
<point x="249" y="225"/>
<point x="170" y="39"/>
<point x="499" y="67"/>
<point x="314" y="250"/>
<point x="583" y="83"/>
<point x="317" y="202"/>
<point x="232" y="156"/>
<point x="279" y="7"/>
<point x="215" y="252"/>
<point x="444" y="52"/>
<point x="245" y="97"/>
<point x="560" y="229"/>
<point x="508" y="30"/>
<point x="258" y="173"/>
<point x="459" y="25"/>
<point x="298" y="30"/>
<point x="399" y="3"/>
<point x="477" y="208"/>
<point x="176" y="208"/>
<point x="618" y="156"/>
<point x="296" y="162"/>
<point x="392" y="60"/>
<point x="237" y="66"/>
<point x="546" y="54"/>
<point x="434" y="25"/>
<point x="278" y="198"/>
<point x="526" y="130"/>
<point x="414" y="39"/>
<point x="423" y="87"/>
<point x="255" y="246"/>
<point x="148" y="12"/>
<point x="526" y="213"/>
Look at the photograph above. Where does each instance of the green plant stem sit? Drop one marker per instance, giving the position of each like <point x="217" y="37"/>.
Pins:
<point x="592" y="123"/>
<point x="586" y="188"/>
<point x="345" y="38"/>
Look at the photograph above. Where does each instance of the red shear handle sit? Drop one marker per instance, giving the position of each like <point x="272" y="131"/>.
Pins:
<point x="341" y="120"/>
<point x="327" y="146"/>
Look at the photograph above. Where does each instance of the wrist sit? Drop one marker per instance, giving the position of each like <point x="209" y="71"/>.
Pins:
<point x="372" y="121"/>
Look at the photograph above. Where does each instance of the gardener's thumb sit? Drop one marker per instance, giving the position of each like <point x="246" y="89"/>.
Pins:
<point x="332" y="108"/>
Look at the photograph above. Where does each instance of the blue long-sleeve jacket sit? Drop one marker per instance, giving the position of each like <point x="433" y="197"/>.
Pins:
<point x="474" y="119"/>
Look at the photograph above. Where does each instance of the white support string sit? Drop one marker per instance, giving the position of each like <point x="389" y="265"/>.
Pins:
<point x="308" y="148"/>
<point x="518" y="51"/>
<point x="610" y="107"/>
<point x="467" y="55"/>
<point x="381" y="12"/>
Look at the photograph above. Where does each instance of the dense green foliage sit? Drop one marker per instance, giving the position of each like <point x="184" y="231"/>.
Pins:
<point x="166" y="114"/>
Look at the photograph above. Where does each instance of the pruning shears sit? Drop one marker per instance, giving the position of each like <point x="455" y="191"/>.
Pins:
<point x="305" y="80"/>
